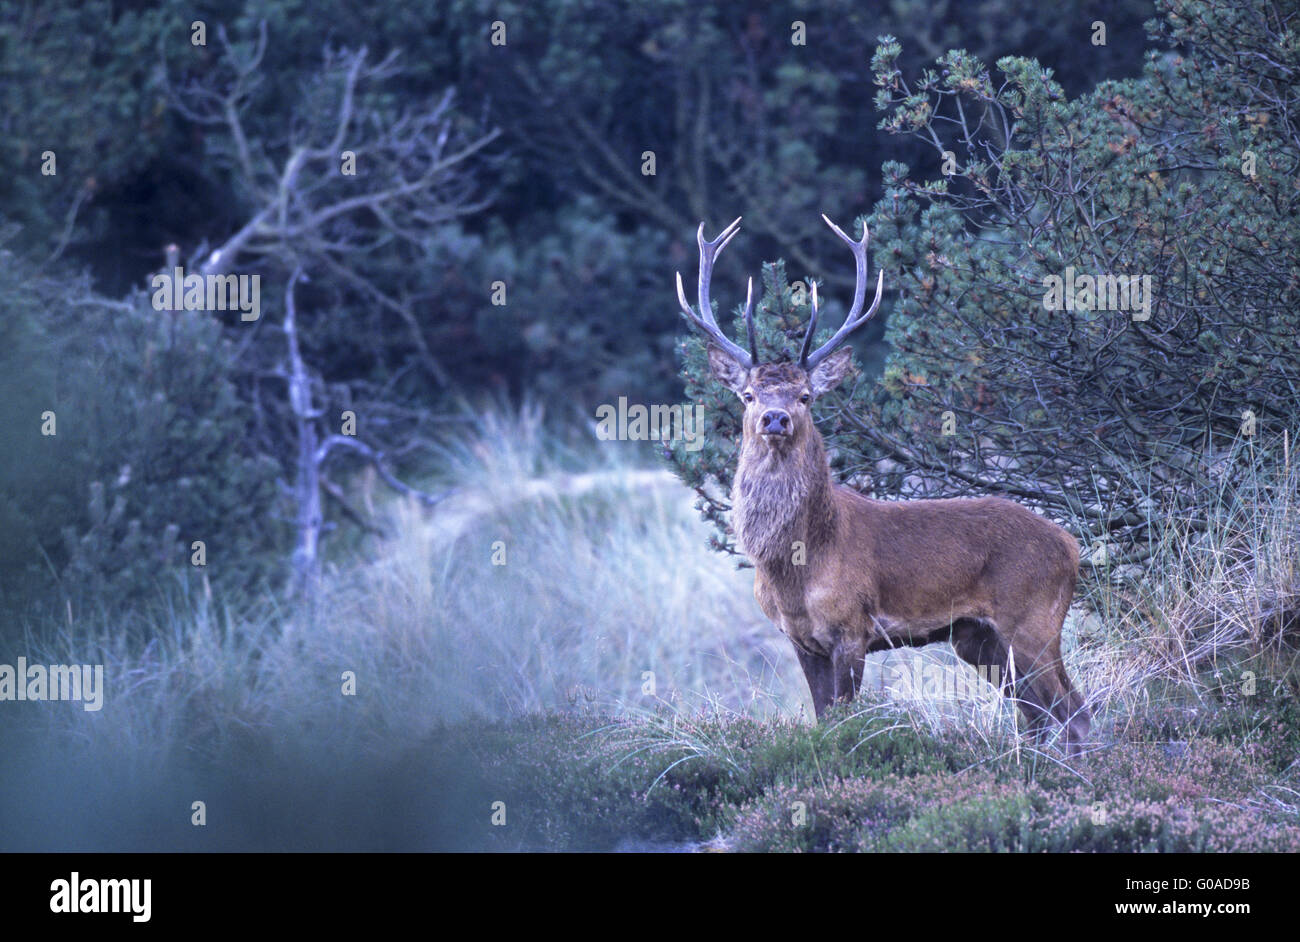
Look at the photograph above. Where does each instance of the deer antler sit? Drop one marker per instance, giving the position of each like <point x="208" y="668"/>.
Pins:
<point x="854" y="319"/>
<point x="705" y="320"/>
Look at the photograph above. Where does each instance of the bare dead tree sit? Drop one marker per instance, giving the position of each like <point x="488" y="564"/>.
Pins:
<point x="414" y="173"/>
<point x="350" y="187"/>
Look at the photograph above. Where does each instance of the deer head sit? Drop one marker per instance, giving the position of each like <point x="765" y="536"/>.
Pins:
<point x="778" y="396"/>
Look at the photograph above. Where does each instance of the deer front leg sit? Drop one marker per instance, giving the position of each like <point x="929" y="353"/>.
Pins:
<point x="847" y="662"/>
<point x="820" y="674"/>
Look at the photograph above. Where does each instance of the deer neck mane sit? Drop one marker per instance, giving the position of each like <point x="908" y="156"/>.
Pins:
<point x="781" y="497"/>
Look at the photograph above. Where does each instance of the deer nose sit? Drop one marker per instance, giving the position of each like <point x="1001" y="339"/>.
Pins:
<point x="775" y="422"/>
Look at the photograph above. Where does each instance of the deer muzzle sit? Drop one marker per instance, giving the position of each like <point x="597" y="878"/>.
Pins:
<point x="774" y="422"/>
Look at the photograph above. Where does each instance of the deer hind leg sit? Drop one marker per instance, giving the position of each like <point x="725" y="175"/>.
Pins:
<point x="1047" y="688"/>
<point x="1077" y="719"/>
<point x="1074" y="709"/>
<point x="1067" y="706"/>
<point x="1017" y="673"/>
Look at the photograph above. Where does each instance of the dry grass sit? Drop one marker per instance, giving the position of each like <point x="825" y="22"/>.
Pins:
<point x="606" y="579"/>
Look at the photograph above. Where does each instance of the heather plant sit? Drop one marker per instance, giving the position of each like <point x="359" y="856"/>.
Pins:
<point x="1202" y="796"/>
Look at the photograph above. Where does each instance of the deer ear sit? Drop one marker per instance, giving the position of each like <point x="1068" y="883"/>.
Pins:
<point x="827" y="374"/>
<point x="727" y="370"/>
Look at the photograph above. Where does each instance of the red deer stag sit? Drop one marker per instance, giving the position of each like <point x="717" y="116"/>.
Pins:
<point x="843" y="575"/>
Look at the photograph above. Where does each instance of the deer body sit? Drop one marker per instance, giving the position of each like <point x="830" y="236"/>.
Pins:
<point x="843" y="575"/>
<point x="878" y="575"/>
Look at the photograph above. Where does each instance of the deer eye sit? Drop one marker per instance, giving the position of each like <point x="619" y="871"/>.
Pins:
<point x="805" y="398"/>
<point x="747" y="396"/>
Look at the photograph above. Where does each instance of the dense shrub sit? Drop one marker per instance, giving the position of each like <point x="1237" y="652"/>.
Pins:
<point x="153" y="449"/>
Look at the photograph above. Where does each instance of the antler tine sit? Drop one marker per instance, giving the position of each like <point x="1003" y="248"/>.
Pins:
<point x="708" y="252"/>
<point x="749" y="321"/>
<point x="715" y="247"/>
<point x="705" y="320"/>
<point x="854" y="319"/>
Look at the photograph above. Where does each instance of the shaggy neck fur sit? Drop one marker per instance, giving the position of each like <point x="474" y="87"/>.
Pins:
<point x="781" y="496"/>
